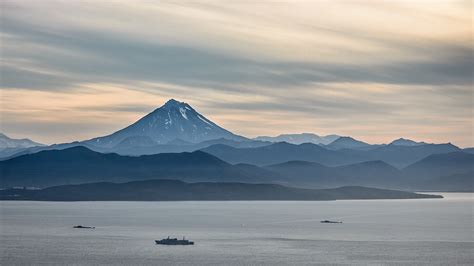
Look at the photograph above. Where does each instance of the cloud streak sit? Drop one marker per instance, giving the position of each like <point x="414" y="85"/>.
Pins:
<point x="351" y="68"/>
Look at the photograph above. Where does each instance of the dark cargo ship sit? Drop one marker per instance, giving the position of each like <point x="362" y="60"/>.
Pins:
<point x="330" y="222"/>
<point x="83" y="227"/>
<point x="174" y="241"/>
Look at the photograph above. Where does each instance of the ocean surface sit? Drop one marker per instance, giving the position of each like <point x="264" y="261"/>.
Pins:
<point x="373" y="232"/>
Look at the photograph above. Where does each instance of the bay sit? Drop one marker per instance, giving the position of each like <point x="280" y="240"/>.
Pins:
<point x="373" y="232"/>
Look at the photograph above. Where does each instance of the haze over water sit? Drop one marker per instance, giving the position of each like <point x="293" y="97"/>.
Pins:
<point x="374" y="232"/>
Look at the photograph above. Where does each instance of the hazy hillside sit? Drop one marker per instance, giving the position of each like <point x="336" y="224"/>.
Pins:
<point x="281" y="152"/>
<point x="438" y="165"/>
<point x="10" y="146"/>
<point x="402" y="156"/>
<point x="300" y="138"/>
<point x="349" y="143"/>
<point x="166" y="190"/>
<point x="281" y="163"/>
<point x="80" y="165"/>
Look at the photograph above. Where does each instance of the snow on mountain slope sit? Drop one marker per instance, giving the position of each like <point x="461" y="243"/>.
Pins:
<point x="174" y="120"/>
<point x="9" y="143"/>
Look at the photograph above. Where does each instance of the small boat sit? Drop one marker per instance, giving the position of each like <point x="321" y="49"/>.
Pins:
<point x="83" y="227"/>
<point x="330" y="222"/>
<point x="174" y="242"/>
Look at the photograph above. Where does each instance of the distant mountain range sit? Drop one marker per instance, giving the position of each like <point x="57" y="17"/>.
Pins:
<point x="399" y="156"/>
<point x="10" y="146"/>
<point x="439" y="165"/>
<point x="80" y="165"/>
<point x="173" y="127"/>
<point x="166" y="190"/>
<point x="7" y="142"/>
<point x="300" y="138"/>
<point x="334" y="142"/>
<point x="406" y="142"/>
<point x="349" y="143"/>
<point x="178" y="127"/>
<point x="421" y="175"/>
<point x="279" y="153"/>
<point x="176" y="142"/>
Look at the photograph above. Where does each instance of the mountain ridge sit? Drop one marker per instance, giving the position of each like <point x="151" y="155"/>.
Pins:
<point x="166" y="190"/>
<point x="80" y="165"/>
<point x="7" y="142"/>
<point x="406" y="142"/>
<point x="346" y="142"/>
<point x="300" y="138"/>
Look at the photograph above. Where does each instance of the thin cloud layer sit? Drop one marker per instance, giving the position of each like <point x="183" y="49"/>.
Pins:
<point x="376" y="71"/>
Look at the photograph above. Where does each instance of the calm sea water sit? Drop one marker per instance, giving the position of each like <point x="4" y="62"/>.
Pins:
<point x="374" y="232"/>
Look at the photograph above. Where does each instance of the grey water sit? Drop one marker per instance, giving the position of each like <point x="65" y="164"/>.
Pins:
<point x="373" y="232"/>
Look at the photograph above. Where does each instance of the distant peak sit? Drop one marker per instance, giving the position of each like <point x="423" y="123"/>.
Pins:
<point x="7" y="142"/>
<point x="173" y="102"/>
<point x="282" y="143"/>
<point x="405" y="142"/>
<point x="346" y="139"/>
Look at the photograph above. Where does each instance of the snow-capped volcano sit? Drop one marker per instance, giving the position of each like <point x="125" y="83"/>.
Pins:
<point x="174" y="120"/>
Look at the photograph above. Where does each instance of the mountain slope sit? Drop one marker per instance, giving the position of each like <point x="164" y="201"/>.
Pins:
<point x="80" y="165"/>
<point x="171" y="121"/>
<point x="279" y="153"/>
<point x="372" y="173"/>
<point x="306" y="174"/>
<point x="468" y="150"/>
<point x="7" y="142"/>
<point x="438" y="165"/>
<point x="406" y="142"/>
<point x="455" y="183"/>
<point x="143" y="145"/>
<point x="177" y="146"/>
<point x="10" y="146"/>
<point x="398" y="156"/>
<point x="348" y="143"/>
<point x="402" y="156"/>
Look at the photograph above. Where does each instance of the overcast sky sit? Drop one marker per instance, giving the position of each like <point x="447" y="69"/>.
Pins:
<point x="73" y="70"/>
